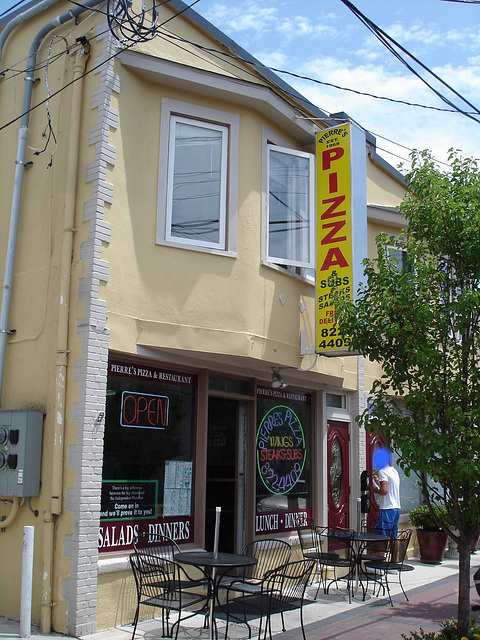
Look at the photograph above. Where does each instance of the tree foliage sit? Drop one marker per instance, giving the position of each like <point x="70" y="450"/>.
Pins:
<point x="420" y="319"/>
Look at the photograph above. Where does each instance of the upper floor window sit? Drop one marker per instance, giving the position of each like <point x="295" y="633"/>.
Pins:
<point x="398" y="257"/>
<point x="198" y="178"/>
<point x="290" y="222"/>
<point x="197" y="182"/>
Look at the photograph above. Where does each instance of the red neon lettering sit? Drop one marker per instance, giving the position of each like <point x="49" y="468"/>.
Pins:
<point x="162" y="412"/>
<point x="330" y="211"/>
<point x="334" y="257"/>
<point x="155" y="410"/>
<point x="141" y="406"/>
<point x="330" y="235"/>
<point x="125" y="409"/>
<point x="329" y="155"/>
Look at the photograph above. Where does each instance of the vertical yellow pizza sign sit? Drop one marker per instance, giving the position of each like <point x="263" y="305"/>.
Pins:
<point x="334" y="234"/>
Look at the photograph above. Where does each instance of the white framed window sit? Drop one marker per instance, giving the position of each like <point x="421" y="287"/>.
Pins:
<point x="290" y="207"/>
<point x="198" y="178"/>
<point x="398" y="257"/>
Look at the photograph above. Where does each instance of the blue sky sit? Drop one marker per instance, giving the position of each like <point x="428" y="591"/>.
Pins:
<point x="326" y="42"/>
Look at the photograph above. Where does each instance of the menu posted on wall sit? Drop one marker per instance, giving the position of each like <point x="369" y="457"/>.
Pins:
<point x="129" y="499"/>
<point x="177" y="494"/>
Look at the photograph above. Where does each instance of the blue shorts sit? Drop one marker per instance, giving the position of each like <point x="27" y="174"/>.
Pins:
<point x="387" y="522"/>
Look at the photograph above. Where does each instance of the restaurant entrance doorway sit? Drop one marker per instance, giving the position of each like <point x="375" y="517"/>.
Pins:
<point x="338" y="474"/>
<point x="225" y="474"/>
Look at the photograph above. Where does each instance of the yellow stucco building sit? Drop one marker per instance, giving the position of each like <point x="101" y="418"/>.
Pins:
<point x="157" y="242"/>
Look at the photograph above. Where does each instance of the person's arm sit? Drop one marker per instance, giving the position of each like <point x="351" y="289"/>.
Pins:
<point x="382" y="488"/>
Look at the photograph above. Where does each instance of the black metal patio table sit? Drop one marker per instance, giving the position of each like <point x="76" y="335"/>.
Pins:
<point x="361" y="539"/>
<point x="218" y="564"/>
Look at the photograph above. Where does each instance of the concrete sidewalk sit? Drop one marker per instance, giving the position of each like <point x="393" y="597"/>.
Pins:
<point x="432" y="591"/>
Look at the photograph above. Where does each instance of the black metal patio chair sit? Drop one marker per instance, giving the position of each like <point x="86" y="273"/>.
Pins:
<point x="282" y="589"/>
<point x="312" y="540"/>
<point x="164" y="583"/>
<point x="345" y="567"/>
<point x="270" y="554"/>
<point x="382" y="572"/>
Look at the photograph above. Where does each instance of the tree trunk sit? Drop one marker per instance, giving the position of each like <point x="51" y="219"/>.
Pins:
<point x="464" y="613"/>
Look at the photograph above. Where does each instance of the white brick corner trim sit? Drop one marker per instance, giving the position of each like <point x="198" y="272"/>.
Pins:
<point x="90" y="372"/>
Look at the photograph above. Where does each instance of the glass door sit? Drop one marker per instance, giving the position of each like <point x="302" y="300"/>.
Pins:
<point x="338" y="474"/>
<point x="222" y="472"/>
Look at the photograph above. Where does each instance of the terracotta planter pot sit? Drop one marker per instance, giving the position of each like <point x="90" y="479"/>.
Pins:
<point x="432" y="545"/>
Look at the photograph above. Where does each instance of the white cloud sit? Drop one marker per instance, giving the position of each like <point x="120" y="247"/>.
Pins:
<point x="242" y="17"/>
<point x="341" y="51"/>
<point x="299" y="27"/>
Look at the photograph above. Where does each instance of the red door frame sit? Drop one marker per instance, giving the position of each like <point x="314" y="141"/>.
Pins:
<point x="372" y="440"/>
<point x="338" y="506"/>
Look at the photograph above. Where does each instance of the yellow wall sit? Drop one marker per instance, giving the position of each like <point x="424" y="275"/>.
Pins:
<point x="155" y="295"/>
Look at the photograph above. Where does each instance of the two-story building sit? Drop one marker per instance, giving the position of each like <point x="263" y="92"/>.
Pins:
<point x="158" y="322"/>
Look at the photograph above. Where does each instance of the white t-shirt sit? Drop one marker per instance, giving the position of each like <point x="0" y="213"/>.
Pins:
<point x="392" y="499"/>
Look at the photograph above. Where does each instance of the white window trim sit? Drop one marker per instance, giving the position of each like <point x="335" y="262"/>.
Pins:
<point x="171" y="107"/>
<point x="270" y="139"/>
<point x="223" y="183"/>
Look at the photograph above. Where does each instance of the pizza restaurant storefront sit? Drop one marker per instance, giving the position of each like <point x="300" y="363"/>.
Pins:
<point x="180" y="443"/>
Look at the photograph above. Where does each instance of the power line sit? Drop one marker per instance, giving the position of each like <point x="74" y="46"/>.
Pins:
<point x="235" y="58"/>
<point x="107" y="59"/>
<point x="4" y="13"/>
<point x="388" y="41"/>
<point x="261" y="66"/>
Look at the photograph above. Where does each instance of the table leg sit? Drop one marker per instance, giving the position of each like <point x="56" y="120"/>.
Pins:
<point x="212" y="603"/>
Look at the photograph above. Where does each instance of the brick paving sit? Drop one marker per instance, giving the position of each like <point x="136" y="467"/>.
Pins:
<point x="432" y="593"/>
<point x="377" y="620"/>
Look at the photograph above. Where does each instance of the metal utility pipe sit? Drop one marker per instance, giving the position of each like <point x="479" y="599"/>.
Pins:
<point x="65" y="273"/>
<point x="19" y="174"/>
<point x="21" y="18"/>
<point x="62" y="341"/>
<point x="27" y="582"/>
<point x="12" y="515"/>
<point x="49" y="519"/>
<point x="47" y="566"/>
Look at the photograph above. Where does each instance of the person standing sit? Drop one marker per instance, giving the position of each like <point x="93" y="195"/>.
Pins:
<point x="387" y="486"/>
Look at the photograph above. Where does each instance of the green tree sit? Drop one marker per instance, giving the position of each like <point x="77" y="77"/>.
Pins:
<point x="419" y="317"/>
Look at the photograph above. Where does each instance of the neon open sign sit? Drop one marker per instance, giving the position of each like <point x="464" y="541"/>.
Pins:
<point x="280" y="449"/>
<point x="144" y="410"/>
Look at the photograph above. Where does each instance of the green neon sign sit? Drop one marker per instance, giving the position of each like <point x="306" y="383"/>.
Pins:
<point x="281" y="449"/>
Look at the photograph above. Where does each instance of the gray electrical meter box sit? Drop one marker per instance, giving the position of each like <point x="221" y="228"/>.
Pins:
<point x="20" y="452"/>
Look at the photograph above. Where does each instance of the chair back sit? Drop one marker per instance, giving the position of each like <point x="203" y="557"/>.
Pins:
<point x="270" y="554"/>
<point x="156" y="545"/>
<point x="399" y="546"/>
<point x="151" y="578"/>
<point x="340" y="541"/>
<point x="155" y="575"/>
<point x="309" y="537"/>
<point x="286" y="585"/>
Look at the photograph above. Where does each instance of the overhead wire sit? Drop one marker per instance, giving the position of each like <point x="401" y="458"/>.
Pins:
<point x="390" y="44"/>
<point x="41" y="49"/>
<point x="94" y="68"/>
<point x="327" y="117"/>
<point x="260" y="66"/>
<point x="78" y="26"/>
<point x="4" y="13"/>
<point x="167" y="34"/>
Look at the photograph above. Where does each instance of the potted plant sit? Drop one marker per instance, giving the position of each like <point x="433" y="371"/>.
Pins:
<point x="432" y="540"/>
